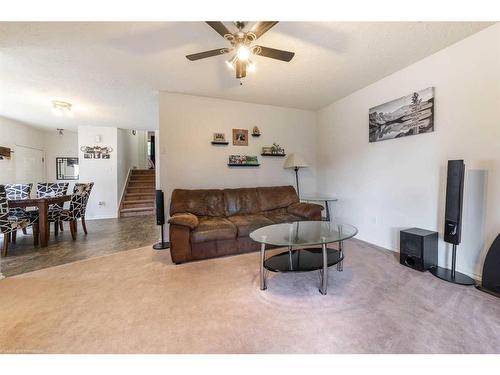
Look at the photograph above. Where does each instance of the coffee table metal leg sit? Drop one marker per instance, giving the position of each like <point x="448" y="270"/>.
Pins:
<point x="340" y="265"/>
<point x="263" y="285"/>
<point x="290" y="262"/>
<point x="324" y="279"/>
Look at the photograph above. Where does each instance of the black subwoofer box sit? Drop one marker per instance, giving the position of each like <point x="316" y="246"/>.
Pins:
<point x="418" y="248"/>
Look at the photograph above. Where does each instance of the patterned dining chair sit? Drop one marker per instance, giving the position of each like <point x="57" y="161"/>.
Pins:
<point x="18" y="191"/>
<point x="77" y="207"/>
<point x="8" y="224"/>
<point x="47" y="190"/>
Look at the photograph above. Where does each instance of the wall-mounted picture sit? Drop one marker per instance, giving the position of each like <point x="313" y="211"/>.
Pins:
<point x="219" y="137"/>
<point x="410" y="115"/>
<point x="243" y="160"/>
<point x="240" y="137"/>
<point x="96" y="152"/>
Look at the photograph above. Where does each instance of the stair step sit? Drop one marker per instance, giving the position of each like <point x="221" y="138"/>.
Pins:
<point x="137" y="211"/>
<point x="135" y="196"/>
<point x="140" y="189"/>
<point x="145" y="204"/>
<point x="140" y="178"/>
<point x="133" y="201"/>
<point x="143" y="172"/>
<point x="141" y="184"/>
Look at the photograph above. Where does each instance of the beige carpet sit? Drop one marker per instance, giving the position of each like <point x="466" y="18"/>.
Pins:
<point x="138" y="302"/>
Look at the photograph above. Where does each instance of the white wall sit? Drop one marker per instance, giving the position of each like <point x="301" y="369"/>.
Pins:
<point x="56" y="145"/>
<point x="12" y="135"/>
<point x="189" y="160"/>
<point x="400" y="183"/>
<point x="103" y="172"/>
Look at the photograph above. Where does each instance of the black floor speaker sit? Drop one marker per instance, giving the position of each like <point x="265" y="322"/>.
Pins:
<point x="453" y="222"/>
<point x="491" y="270"/>
<point x="418" y="248"/>
<point x="160" y="220"/>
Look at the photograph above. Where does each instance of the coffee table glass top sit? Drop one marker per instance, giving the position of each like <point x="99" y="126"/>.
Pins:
<point x="303" y="233"/>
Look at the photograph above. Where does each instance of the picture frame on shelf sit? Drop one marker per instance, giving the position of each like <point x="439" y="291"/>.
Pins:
<point x="255" y="131"/>
<point x="240" y="137"/>
<point x="243" y="161"/>
<point x="274" y="150"/>
<point x="219" y="139"/>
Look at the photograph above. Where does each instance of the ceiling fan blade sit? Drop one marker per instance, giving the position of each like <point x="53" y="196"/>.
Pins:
<point x="219" y="27"/>
<point x="203" y="55"/>
<point x="273" y="53"/>
<point x="261" y="27"/>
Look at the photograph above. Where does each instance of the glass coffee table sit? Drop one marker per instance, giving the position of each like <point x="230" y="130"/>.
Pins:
<point x="295" y="236"/>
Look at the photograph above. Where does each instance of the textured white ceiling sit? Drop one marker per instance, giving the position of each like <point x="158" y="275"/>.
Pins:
<point x="112" y="71"/>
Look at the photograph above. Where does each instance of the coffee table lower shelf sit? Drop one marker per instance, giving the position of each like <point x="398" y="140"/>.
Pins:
<point x="302" y="260"/>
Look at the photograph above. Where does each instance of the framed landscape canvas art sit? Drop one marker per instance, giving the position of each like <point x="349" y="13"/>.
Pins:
<point x="410" y="115"/>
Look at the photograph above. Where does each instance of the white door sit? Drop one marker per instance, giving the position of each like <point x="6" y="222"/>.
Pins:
<point x="30" y="165"/>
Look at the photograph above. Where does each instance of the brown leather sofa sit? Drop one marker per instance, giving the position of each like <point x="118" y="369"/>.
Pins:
<point x="212" y="223"/>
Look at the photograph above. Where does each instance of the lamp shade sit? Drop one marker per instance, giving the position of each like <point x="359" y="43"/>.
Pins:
<point x="295" y="160"/>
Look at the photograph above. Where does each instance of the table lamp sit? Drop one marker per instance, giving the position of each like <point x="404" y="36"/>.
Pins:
<point x="295" y="161"/>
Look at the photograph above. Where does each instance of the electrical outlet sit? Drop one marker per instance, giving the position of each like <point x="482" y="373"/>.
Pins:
<point x="102" y="203"/>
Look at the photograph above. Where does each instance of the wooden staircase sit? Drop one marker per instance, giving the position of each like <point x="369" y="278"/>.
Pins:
<point x="139" y="198"/>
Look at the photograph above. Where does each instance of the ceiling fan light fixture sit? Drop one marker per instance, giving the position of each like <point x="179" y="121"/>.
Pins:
<point x="251" y="66"/>
<point x="243" y="53"/>
<point x="60" y="108"/>
<point x="231" y="62"/>
<point x="242" y="46"/>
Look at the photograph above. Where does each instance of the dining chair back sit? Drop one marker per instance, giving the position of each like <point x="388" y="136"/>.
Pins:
<point x="52" y="189"/>
<point x="8" y="224"/>
<point x="18" y="191"/>
<point x="77" y="207"/>
<point x="5" y="223"/>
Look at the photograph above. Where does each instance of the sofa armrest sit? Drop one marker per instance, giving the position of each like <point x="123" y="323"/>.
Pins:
<point x="185" y="220"/>
<point x="306" y="210"/>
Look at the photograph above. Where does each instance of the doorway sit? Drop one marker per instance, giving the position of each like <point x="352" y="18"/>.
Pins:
<point x="30" y="165"/>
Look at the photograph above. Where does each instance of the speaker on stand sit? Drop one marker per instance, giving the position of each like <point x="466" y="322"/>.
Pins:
<point x="453" y="222"/>
<point x="160" y="220"/>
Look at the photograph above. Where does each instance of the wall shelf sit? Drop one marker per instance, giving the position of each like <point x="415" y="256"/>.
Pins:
<point x="255" y="135"/>
<point x="278" y="155"/>
<point x="243" y="165"/>
<point x="220" y="143"/>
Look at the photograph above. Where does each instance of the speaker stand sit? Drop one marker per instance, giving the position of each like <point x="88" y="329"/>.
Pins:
<point x="452" y="275"/>
<point x="161" y="245"/>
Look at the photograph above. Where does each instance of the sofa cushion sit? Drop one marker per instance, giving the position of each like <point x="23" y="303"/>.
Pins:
<point x="241" y="201"/>
<point x="279" y="217"/>
<point x="274" y="197"/>
<point x="248" y="223"/>
<point x="207" y="202"/>
<point x="213" y="228"/>
<point x="306" y="210"/>
<point x="185" y="219"/>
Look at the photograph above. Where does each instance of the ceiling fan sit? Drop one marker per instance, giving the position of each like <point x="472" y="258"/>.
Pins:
<point x="241" y="43"/>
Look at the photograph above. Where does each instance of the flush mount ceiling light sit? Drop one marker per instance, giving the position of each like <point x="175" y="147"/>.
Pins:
<point x="60" y="108"/>
<point x="241" y="44"/>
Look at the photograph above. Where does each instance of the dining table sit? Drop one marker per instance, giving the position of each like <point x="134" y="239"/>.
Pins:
<point x="43" y="212"/>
